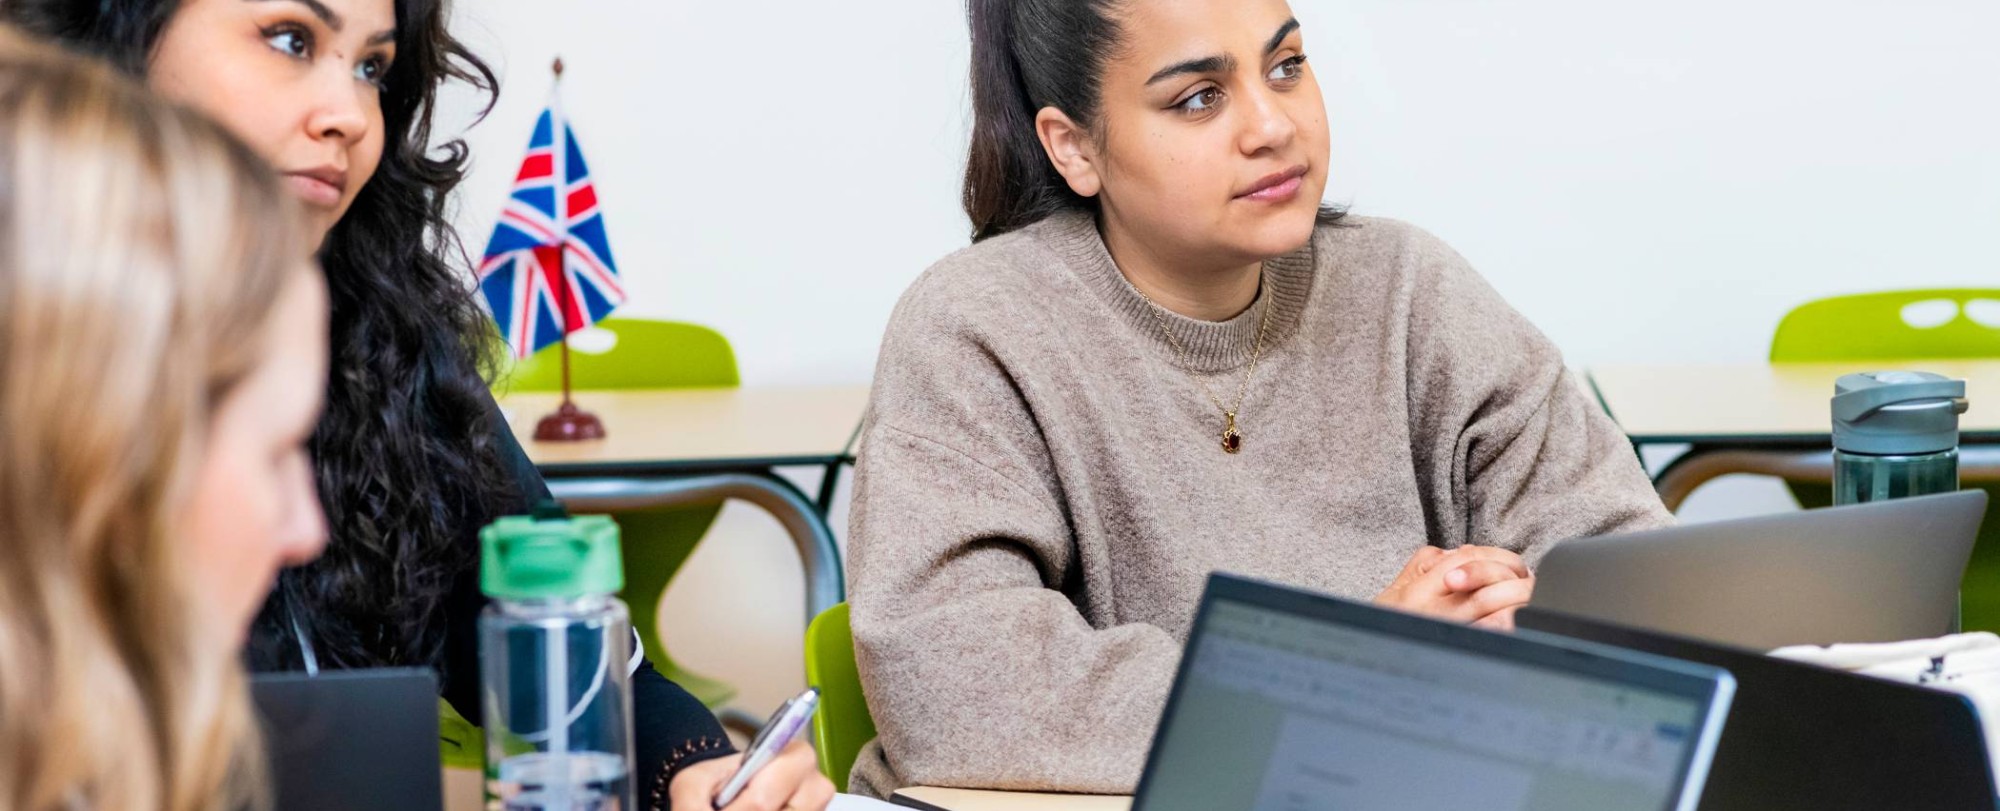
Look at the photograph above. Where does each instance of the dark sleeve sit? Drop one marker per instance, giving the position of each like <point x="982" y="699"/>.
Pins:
<point x="515" y="464"/>
<point x="460" y="669"/>
<point x="671" y="728"/>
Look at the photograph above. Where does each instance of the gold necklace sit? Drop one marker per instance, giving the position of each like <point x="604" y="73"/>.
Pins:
<point x="1232" y="439"/>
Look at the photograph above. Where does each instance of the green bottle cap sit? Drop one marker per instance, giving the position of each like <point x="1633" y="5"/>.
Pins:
<point x="528" y="558"/>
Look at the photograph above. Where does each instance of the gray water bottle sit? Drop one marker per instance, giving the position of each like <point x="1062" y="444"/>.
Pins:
<point x="555" y="648"/>
<point x="1895" y="434"/>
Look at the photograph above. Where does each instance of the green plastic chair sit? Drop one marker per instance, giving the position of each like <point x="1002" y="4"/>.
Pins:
<point x="461" y="745"/>
<point x="842" y="725"/>
<point x="648" y="355"/>
<point x="1871" y="327"/>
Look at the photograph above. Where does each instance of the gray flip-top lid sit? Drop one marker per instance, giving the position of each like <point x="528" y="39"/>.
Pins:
<point x="1896" y="413"/>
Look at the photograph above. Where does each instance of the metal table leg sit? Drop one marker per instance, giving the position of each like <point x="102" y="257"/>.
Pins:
<point x="827" y="484"/>
<point x="825" y="582"/>
<point x="1976" y="463"/>
<point x="1690" y="470"/>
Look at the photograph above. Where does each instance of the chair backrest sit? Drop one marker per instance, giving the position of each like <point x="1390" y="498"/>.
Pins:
<point x="1961" y="323"/>
<point x="842" y="725"/>
<point x="648" y="355"/>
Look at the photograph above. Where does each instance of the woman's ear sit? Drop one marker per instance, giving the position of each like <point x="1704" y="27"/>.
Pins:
<point x="1070" y="149"/>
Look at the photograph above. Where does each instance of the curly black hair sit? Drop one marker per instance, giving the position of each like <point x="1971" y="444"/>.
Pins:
<point x="406" y="450"/>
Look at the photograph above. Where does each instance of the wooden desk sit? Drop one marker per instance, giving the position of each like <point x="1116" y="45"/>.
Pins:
<point x="1765" y="403"/>
<point x="959" y="799"/>
<point x="1772" y="419"/>
<point x="696" y="430"/>
<point x="464" y="790"/>
<point x="670" y="447"/>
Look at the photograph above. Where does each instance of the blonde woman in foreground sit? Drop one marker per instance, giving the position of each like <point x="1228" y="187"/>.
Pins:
<point x="162" y="354"/>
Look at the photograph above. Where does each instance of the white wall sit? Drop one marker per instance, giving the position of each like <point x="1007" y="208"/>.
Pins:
<point x="1662" y="181"/>
<point x="1648" y="182"/>
<point x="778" y="171"/>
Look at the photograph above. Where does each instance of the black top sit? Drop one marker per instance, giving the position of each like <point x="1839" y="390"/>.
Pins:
<point x="671" y="728"/>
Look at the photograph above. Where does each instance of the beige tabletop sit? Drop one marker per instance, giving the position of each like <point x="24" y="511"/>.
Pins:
<point x="959" y="799"/>
<point x="1758" y="401"/>
<point x="464" y="790"/>
<point x="698" y="427"/>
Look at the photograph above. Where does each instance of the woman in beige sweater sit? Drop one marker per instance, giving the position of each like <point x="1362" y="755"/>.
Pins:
<point x="1162" y="357"/>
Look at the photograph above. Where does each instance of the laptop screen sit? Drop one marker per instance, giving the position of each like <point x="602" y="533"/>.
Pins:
<point x="351" y="739"/>
<point x="1278" y="711"/>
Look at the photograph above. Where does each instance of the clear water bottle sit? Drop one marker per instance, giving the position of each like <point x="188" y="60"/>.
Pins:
<point x="555" y="651"/>
<point x="1895" y="434"/>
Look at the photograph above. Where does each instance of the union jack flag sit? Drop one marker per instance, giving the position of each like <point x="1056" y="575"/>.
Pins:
<point x="549" y="249"/>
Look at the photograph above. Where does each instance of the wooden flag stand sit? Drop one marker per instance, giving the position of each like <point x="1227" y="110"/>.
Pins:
<point x="568" y="423"/>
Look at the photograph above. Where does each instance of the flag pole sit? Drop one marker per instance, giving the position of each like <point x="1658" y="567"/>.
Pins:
<point x="562" y="274"/>
<point x="568" y="423"/>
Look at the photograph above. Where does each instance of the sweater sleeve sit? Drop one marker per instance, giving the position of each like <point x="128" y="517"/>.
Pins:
<point x="979" y="666"/>
<point x="1513" y="452"/>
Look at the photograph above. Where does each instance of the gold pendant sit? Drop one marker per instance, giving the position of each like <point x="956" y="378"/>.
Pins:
<point x="1232" y="439"/>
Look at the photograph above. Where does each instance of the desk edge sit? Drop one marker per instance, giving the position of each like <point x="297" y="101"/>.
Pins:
<point x="906" y="801"/>
<point x="1783" y="441"/>
<point x="686" y="467"/>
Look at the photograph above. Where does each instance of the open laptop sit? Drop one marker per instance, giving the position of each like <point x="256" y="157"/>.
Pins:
<point x="1291" y="701"/>
<point x="352" y="739"/>
<point x="1876" y="572"/>
<point x="1807" y="738"/>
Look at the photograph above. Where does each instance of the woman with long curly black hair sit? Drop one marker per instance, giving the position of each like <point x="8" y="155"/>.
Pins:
<point x="412" y="456"/>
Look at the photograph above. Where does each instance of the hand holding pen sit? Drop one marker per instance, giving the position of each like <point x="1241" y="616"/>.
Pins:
<point x="787" y="778"/>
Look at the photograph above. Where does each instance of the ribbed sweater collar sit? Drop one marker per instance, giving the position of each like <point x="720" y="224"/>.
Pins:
<point x="1212" y="346"/>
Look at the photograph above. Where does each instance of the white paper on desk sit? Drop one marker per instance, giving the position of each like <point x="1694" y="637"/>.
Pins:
<point x="851" y="802"/>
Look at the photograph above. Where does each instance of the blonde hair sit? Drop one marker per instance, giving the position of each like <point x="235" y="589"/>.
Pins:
<point x="141" y="249"/>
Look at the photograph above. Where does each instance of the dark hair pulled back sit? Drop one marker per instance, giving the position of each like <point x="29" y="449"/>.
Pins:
<point x="1026" y="55"/>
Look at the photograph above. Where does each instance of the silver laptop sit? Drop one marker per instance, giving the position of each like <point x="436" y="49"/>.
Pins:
<point x="1292" y="701"/>
<point x="1876" y="572"/>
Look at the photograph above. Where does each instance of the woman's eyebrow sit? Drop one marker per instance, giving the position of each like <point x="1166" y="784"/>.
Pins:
<point x="1205" y="64"/>
<point x="1279" y="38"/>
<point x="333" y="19"/>
<point x="319" y="9"/>
<point x="1222" y="63"/>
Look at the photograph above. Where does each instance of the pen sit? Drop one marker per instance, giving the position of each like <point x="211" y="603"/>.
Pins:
<point x="772" y="739"/>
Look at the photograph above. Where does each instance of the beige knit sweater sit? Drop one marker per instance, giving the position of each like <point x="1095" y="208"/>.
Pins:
<point x="1041" y="489"/>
